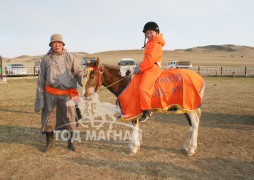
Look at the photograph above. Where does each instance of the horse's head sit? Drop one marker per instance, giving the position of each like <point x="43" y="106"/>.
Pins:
<point x="106" y="75"/>
<point x="93" y="80"/>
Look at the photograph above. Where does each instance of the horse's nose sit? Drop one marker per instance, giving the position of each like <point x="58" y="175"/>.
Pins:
<point x="87" y="94"/>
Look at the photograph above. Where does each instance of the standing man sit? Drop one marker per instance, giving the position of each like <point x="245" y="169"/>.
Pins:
<point x="57" y="83"/>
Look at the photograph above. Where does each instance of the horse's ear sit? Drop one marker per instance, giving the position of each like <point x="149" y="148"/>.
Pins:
<point x="97" y="62"/>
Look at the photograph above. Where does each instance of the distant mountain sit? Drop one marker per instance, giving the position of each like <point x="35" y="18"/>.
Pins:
<point x="202" y="55"/>
<point x="220" y="48"/>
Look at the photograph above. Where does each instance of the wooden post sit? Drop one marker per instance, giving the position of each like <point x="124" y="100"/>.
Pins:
<point x="1" y="68"/>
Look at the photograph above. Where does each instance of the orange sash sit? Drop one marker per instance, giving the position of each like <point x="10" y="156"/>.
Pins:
<point x="71" y="92"/>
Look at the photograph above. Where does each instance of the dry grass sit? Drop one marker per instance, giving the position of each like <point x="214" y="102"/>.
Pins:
<point x="225" y="146"/>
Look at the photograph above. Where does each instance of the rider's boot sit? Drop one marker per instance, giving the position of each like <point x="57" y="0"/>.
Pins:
<point x="146" y="115"/>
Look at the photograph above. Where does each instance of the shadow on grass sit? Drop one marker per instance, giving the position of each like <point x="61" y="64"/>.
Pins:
<point x="111" y="146"/>
<point x="32" y="137"/>
<point x="208" y="168"/>
<point x="212" y="120"/>
<point x="16" y="111"/>
<point x="148" y="168"/>
<point x="21" y="135"/>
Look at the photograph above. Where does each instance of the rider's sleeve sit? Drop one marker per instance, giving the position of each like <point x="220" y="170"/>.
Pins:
<point x="153" y="53"/>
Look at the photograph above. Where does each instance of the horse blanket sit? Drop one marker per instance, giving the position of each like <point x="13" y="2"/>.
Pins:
<point x="174" y="88"/>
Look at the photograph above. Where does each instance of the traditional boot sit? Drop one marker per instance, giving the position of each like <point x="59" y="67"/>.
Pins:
<point x="50" y="141"/>
<point x="78" y="112"/>
<point x="71" y="145"/>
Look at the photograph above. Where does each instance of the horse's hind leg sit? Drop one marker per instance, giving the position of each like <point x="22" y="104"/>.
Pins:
<point x="194" y="134"/>
<point x="187" y="140"/>
<point x="135" y="144"/>
<point x="190" y="144"/>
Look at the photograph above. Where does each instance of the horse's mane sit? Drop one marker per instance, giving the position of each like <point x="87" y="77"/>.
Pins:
<point x="111" y="66"/>
<point x="111" y="75"/>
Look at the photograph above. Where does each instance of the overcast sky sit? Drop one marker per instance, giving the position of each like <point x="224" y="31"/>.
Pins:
<point x="103" y="25"/>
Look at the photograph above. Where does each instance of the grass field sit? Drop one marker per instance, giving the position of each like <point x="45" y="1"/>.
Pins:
<point x="225" y="142"/>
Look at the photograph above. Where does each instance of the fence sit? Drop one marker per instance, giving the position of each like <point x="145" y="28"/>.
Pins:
<point x="224" y="70"/>
<point x="21" y="71"/>
<point x="202" y="70"/>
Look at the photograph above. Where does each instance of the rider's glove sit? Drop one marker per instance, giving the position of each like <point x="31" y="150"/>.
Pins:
<point x="137" y="69"/>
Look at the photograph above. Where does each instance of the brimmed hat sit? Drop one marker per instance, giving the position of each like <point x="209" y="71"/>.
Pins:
<point x="56" y="37"/>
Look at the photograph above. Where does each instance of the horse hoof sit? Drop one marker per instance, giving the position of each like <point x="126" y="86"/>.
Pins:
<point x="184" y="151"/>
<point x="134" y="150"/>
<point x="190" y="154"/>
<point x="132" y="153"/>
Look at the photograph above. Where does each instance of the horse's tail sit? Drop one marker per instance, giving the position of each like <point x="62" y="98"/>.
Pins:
<point x="202" y="92"/>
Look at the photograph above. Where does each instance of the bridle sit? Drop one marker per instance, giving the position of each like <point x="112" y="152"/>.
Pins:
<point x="93" y="68"/>
<point x="89" y="70"/>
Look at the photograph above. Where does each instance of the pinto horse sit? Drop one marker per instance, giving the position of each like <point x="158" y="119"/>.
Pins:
<point x="110" y="77"/>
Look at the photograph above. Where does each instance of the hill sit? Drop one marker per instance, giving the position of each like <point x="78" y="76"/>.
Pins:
<point x="204" y="55"/>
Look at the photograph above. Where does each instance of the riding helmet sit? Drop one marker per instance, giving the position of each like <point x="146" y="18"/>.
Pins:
<point x="151" y="26"/>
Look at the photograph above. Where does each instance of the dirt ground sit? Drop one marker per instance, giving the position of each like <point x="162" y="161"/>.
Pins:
<point x="225" y="142"/>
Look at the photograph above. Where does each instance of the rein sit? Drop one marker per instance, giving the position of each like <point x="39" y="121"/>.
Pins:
<point x="115" y="82"/>
<point x="99" y="77"/>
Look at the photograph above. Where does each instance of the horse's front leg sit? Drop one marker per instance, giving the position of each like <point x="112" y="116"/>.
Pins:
<point x="135" y="142"/>
<point x="82" y="91"/>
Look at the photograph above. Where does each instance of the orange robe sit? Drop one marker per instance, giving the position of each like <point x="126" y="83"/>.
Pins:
<point x="150" y="70"/>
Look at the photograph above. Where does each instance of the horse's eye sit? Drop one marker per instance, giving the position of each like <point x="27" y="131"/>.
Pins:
<point x="92" y="76"/>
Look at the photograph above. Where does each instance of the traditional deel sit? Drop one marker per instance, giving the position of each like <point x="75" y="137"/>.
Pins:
<point x="175" y="88"/>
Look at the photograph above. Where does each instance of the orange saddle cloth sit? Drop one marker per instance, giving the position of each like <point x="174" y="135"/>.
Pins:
<point x="175" y="87"/>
